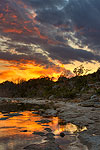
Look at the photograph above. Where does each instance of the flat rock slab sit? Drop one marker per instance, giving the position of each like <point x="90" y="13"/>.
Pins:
<point x="90" y="103"/>
<point x="35" y="112"/>
<point x="91" y="140"/>
<point x="39" y="133"/>
<point x="43" y="146"/>
<point x="43" y="121"/>
<point x="13" y="115"/>
<point x="4" y="118"/>
<point x="48" y="129"/>
<point x="50" y="136"/>
<point x="24" y="131"/>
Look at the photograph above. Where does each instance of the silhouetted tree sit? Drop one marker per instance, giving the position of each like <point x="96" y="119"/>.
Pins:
<point x="80" y="70"/>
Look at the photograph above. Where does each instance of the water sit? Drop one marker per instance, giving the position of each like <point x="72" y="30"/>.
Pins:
<point x="16" y="130"/>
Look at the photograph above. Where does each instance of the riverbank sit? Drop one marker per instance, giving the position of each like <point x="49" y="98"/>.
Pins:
<point x="84" y="116"/>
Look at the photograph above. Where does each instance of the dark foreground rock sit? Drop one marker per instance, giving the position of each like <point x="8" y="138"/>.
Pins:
<point x="83" y="115"/>
<point x="39" y="133"/>
<point x="48" y="129"/>
<point x="44" y="121"/>
<point x="62" y="134"/>
<point x="90" y="103"/>
<point x="91" y="140"/>
<point x="50" y="136"/>
<point x="43" y="146"/>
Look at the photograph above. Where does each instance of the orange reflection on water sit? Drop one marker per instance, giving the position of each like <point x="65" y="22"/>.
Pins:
<point x="16" y="130"/>
<point x="26" y="121"/>
<point x="15" y="124"/>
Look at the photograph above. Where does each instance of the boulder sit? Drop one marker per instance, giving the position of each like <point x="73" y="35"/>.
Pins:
<point x="50" y="135"/>
<point x="93" y="96"/>
<point x="62" y="134"/>
<point x="51" y="97"/>
<point x="92" y="141"/>
<point x="39" y="133"/>
<point x="97" y="105"/>
<point x="43" y="121"/>
<point x="51" y="112"/>
<point x="43" y="146"/>
<point x="48" y="129"/>
<point x="88" y="103"/>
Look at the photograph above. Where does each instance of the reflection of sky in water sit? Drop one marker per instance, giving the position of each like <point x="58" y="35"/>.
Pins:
<point x="27" y="121"/>
<point x="13" y="125"/>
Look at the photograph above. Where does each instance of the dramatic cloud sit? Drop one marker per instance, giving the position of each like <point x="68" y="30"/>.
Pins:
<point x="49" y="33"/>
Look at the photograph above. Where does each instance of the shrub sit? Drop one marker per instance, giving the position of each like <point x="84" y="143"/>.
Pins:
<point x="98" y="91"/>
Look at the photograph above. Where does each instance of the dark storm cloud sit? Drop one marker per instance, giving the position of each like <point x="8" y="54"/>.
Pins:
<point x="48" y="11"/>
<point x="37" y="58"/>
<point x="54" y="21"/>
<point x="41" y="4"/>
<point x="83" y="14"/>
<point x="67" y="54"/>
<point x="50" y="16"/>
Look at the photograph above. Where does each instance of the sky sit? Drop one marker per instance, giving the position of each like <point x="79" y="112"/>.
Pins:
<point x="48" y="37"/>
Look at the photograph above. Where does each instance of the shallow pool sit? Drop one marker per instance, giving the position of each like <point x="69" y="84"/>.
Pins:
<point x="17" y="130"/>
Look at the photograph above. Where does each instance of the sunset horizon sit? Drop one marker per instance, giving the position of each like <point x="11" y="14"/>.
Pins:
<point x="46" y="39"/>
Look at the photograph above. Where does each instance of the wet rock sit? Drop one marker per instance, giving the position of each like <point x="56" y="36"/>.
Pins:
<point x="4" y="112"/>
<point x="44" y="121"/>
<point x="39" y="133"/>
<point x="88" y="103"/>
<point x="43" y="146"/>
<point x="97" y="105"/>
<point x="35" y="112"/>
<point x="90" y="85"/>
<point x="83" y="121"/>
<point x="76" y="146"/>
<point x="93" y="102"/>
<point x="39" y="98"/>
<point x="93" y="96"/>
<point x="13" y="115"/>
<point x="85" y="96"/>
<point x="50" y="136"/>
<point x="4" y="118"/>
<point x="62" y="122"/>
<point x="62" y="134"/>
<point x="50" y="139"/>
<point x="48" y="129"/>
<point x="51" y="112"/>
<point x="45" y="125"/>
<point x="23" y="131"/>
<point x="1" y="98"/>
<point x="82" y="89"/>
<point x="41" y="111"/>
<point x="51" y="97"/>
<point x="91" y="140"/>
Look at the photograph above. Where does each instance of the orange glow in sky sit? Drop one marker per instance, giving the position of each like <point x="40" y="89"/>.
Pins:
<point x="14" y="71"/>
<point x="25" y="122"/>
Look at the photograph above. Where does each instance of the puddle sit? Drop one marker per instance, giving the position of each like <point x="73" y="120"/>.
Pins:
<point x="16" y="130"/>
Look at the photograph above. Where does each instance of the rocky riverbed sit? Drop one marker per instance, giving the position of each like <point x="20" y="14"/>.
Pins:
<point x="86" y="115"/>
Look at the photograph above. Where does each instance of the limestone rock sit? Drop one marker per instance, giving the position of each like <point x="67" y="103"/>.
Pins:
<point x="43" y="146"/>
<point x="92" y="141"/>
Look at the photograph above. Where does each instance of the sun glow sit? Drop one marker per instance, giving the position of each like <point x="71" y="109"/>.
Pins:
<point x="13" y="71"/>
<point x="26" y="69"/>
